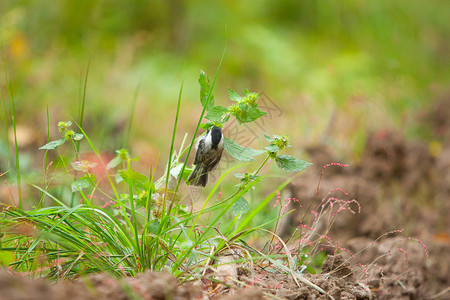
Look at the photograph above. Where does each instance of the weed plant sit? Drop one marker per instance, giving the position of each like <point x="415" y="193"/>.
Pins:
<point x="142" y="225"/>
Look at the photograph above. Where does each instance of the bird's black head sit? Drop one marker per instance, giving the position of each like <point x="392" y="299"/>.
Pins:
<point x="216" y="135"/>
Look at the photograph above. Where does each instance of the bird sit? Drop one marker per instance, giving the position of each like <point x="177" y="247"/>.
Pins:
<point x="208" y="154"/>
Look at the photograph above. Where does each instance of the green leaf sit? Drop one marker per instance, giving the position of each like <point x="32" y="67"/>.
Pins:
<point x="238" y="152"/>
<point x="205" y="87"/>
<point x="118" y="178"/>
<point x="175" y="172"/>
<point x="135" y="179"/>
<point x="268" y="138"/>
<point x="240" y="207"/>
<point x="215" y="113"/>
<point x="114" y="162"/>
<point x="243" y="106"/>
<point x="53" y="145"/>
<point x="153" y="227"/>
<point x="207" y="125"/>
<point x="291" y="164"/>
<point x="233" y="95"/>
<point x="6" y="257"/>
<point x="249" y="114"/>
<point x="254" y="113"/>
<point x="78" y="136"/>
<point x="248" y="176"/>
<point x="79" y="185"/>
<point x="272" y="148"/>
<point x="186" y="173"/>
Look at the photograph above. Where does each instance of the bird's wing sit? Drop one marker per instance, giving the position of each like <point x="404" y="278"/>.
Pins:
<point x="200" y="147"/>
<point x="212" y="158"/>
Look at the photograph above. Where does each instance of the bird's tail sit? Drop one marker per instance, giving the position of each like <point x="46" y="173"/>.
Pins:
<point x="198" y="177"/>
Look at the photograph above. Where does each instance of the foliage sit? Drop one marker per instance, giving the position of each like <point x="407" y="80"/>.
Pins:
<point x="142" y="224"/>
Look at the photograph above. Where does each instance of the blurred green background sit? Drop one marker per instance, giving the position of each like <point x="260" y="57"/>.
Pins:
<point x="336" y="69"/>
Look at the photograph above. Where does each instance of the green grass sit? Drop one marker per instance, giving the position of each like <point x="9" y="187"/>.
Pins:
<point x="142" y="224"/>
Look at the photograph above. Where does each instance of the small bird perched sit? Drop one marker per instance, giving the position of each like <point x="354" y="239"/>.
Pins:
<point x="209" y="152"/>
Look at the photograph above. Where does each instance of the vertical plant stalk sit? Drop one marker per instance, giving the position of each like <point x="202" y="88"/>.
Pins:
<point x="16" y="148"/>
<point x="82" y="104"/>
<point x="126" y="138"/>
<point x="5" y="110"/>
<point x="5" y="107"/>
<point x="169" y="164"/>
<point x="133" y="211"/>
<point x="76" y="146"/>
<point x="45" y="161"/>
<point x="12" y="108"/>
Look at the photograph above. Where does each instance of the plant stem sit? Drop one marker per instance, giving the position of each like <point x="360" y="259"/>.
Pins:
<point x="263" y="163"/>
<point x="133" y="212"/>
<point x="169" y="163"/>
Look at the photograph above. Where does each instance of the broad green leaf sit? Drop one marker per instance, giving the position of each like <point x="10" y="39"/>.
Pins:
<point x="240" y="207"/>
<point x="238" y="152"/>
<point x="272" y="148"/>
<point x="114" y="162"/>
<point x="118" y="178"/>
<point x="153" y="227"/>
<point x="6" y="257"/>
<point x="291" y="164"/>
<point x="135" y="179"/>
<point x="254" y="113"/>
<point x="53" y="144"/>
<point x="243" y="106"/>
<point x="227" y="117"/>
<point x="233" y="95"/>
<point x="249" y="114"/>
<point x="207" y="126"/>
<point x="268" y="138"/>
<point x="79" y="185"/>
<point x="205" y="86"/>
<point x="215" y="113"/>
<point x="186" y="173"/>
<point x="175" y="172"/>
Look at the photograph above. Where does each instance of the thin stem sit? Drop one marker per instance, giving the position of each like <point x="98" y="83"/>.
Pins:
<point x="262" y="165"/>
<point x="169" y="164"/>
<point x="82" y="104"/>
<point x="45" y="161"/>
<point x="133" y="212"/>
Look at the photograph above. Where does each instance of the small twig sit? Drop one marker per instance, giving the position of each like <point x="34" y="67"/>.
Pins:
<point x="441" y="293"/>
